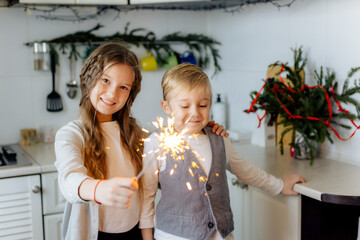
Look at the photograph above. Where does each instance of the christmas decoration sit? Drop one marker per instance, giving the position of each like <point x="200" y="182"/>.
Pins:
<point x="197" y="43"/>
<point x="307" y="110"/>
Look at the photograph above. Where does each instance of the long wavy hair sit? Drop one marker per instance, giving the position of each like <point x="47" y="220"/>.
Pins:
<point x="107" y="55"/>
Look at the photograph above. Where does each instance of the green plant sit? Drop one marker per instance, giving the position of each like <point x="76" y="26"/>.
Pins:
<point x="307" y="110"/>
<point x="162" y="48"/>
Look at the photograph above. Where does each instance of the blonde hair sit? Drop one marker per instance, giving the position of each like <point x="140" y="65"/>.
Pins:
<point x="185" y="76"/>
<point x="106" y="55"/>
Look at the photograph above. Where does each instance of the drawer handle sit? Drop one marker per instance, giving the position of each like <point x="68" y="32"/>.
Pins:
<point x="36" y="189"/>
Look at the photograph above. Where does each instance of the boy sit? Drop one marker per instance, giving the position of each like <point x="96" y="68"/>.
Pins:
<point x="201" y="211"/>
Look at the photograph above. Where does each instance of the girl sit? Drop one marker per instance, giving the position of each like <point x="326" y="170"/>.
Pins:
<point x="103" y="144"/>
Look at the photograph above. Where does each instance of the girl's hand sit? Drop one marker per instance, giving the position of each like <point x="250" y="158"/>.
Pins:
<point x="289" y="182"/>
<point x="218" y="129"/>
<point x="116" y="192"/>
<point x="147" y="234"/>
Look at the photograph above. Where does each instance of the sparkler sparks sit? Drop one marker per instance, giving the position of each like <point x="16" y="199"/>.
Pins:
<point x="190" y="171"/>
<point x="188" y="186"/>
<point x="173" y="143"/>
<point x="194" y="165"/>
<point x="170" y="141"/>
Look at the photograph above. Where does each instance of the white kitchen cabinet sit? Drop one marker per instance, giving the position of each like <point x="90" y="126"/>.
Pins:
<point x="79" y="2"/>
<point x="47" y="1"/>
<point x="163" y="1"/>
<point x="273" y="217"/>
<point x="237" y="203"/>
<point x="259" y="215"/>
<point x="53" y="226"/>
<point x="20" y="208"/>
<point x="53" y="200"/>
<point x="102" y="2"/>
<point x="53" y="206"/>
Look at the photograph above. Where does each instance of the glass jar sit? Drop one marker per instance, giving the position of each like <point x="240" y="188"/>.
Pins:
<point x="41" y="56"/>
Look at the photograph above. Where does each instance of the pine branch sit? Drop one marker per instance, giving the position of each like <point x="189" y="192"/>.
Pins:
<point x="199" y="43"/>
<point x="309" y="102"/>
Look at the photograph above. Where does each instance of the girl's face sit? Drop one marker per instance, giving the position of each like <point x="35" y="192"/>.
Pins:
<point x="111" y="91"/>
<point x="191" y="110"/>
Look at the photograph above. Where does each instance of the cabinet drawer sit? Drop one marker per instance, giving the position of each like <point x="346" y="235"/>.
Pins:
<point x="53" y="201"/>
<point x="20" y="208"/>
<point x="53" y="226"/>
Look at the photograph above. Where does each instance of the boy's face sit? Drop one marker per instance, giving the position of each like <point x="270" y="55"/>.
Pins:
<point x="190" y="110"/>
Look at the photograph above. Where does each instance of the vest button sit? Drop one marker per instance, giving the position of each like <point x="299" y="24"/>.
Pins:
<point x="208" y="187"/>
<point x="210" y="225"/>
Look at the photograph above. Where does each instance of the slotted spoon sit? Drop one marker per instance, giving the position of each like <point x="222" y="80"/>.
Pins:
<point x="53" y="103"/>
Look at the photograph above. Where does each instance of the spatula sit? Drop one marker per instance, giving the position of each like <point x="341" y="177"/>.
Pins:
<point x="53" y="103"/>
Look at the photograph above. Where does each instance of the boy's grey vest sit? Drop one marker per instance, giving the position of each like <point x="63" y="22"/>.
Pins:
<point x="197" y="213"/>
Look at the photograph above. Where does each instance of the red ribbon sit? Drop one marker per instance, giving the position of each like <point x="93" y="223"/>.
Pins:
<point x="277" y="90"/>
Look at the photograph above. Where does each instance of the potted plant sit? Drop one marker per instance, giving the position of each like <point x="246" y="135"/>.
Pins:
<point x="309" y="112"/>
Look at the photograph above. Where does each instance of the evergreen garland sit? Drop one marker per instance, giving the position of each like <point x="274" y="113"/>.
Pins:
<point x="162" y="48"/>
<point x="306" y="102"/>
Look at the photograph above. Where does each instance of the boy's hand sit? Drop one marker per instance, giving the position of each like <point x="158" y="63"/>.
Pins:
<point x="116" y="192"/>
<point x="289" y="182"/>
<point x="218" y="129"/>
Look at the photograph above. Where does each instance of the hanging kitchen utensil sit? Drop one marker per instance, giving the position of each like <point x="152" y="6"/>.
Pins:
<point x="188" y="57"/>
<point x="148" y="62"/>
<point x="53" y="103"/>
<point x="71" y="86"/>
<point x="171" y="61"/>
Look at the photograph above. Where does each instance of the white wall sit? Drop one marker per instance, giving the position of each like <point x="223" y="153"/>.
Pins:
<point x="251" y="39"/>
<point x="23" y="91"/>
<point x="260" y="35"/>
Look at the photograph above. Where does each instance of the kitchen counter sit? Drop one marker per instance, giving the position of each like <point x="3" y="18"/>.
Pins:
<point x="43" y="154"/>
<point x="22" y="170"/>
<point x="327" y="180"/>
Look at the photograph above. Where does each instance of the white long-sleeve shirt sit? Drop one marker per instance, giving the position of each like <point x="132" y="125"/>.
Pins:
<point x="69" y="143"/>
<point x="244" y="170"/>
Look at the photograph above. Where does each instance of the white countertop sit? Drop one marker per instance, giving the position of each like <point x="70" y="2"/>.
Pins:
<point x="20" y="171"/>
<point x="16" y="171"/>
<point x="325" y="178"/>
<point x="43" y="154"/>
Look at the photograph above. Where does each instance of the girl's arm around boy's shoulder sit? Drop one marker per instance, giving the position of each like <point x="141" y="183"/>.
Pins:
<point x="218" y="129"/>
<point x="69" y="163"/>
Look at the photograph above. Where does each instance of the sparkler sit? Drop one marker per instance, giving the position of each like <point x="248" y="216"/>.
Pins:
<point x="171" y="142"/>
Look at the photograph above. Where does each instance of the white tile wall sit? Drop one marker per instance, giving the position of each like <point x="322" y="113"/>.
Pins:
<point x="23" y="91"/>
<point x="262" y="34"/>
<point x="251" y="39"/>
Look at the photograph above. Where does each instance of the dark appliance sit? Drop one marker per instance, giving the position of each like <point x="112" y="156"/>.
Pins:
<point x="12" y="156"/>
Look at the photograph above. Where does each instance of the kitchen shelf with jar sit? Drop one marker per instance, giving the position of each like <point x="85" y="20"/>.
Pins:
<point x="203" y="46"/>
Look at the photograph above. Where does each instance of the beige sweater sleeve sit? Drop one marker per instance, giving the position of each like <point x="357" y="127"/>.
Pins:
<point x="248" y="173"/>
<point x="150" y="181"/>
